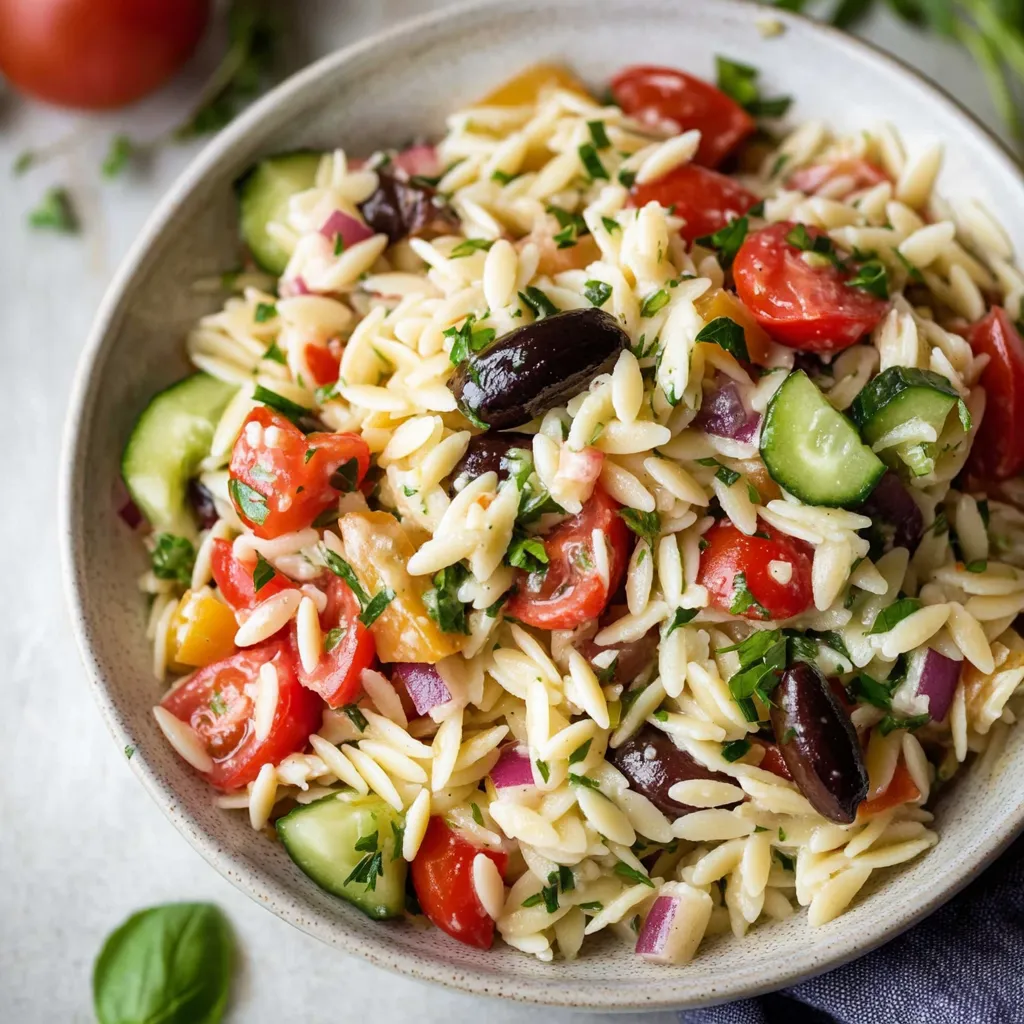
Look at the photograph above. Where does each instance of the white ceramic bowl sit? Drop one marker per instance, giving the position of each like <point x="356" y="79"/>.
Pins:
<point x="378" y="93"/>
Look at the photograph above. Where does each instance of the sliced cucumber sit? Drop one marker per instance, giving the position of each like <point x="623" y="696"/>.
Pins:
<point x="166" y="445"/>
<point x="322" y="836"/>
<point x="263" y="194"/>
<point x="812" y="450"/>
<point x="903" y="397"/>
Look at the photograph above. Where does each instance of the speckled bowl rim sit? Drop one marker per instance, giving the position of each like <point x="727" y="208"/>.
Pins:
<point x="267" y="891"/>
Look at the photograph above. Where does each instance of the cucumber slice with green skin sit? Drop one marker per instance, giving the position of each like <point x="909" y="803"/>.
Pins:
<point x="263" y="194"/>
<point x="813" y="451"/>
<point x="166" y="445"/>
<point x="322" y="836"/>
<point x="898" y="396"/>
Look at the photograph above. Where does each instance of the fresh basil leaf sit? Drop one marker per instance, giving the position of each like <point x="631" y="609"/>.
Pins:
<point x="262" y="574"/>
<point x="442" y="602"/>
<point x="726" y="475"/>
<point x="597" y="292"/>
<point x="727" y="334"/>
<point x="743" y="599"/>
<point x="250" y="503"/>
<point x="727" y="240"/>
<point x="346" y="477"/>
<point x="333" y="637"/>
<point x="172" y="558"/>
<point x="169" y="964"/>
<point x="341" y="568"/>
<point x="869" y="691"/>
<point x="754" y="648"/>
<point x="375" y="607"/>
<point x="887" y="618"/>
<point x="527" y="553"/>
<point x="872" y="278"/>
<point x="285" y="406"/>
<point x="680" y="617"/>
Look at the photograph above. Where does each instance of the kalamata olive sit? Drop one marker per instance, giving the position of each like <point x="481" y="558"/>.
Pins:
<point x="895" y="516"/>
<point x="631" y="658"/>
<point x="819" y="744"/>
<point x="401" y="208"/>
<point x="487" y="454"/>
<point x="653" y="764"/>
<point x="202" y="504"/>
<point x="537" y="367"/>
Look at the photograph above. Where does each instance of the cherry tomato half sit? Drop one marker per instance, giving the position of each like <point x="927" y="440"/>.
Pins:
<point x="323" y="361"/>
<point x="572" y="590"/>
<point x="998" y="449"/>
<point x="705" y="199"/>
<point x="218" y="702"/>
<point x="657" y="96"/>
<point x="442" y="875"/>
<point x="234" y="579"/>
<point x="901" y="789"/>
<point x="96" y="53"/>
<point x="730" y="553"/>
<point x="804" y="303"/>
<point x="282" y="479"/>
<point x="773" y="761"/>
<point x="856" y="174"/>
<point x="348" y="645"/>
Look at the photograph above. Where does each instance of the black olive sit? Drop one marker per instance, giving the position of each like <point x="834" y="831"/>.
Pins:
<point x="202" y="504"/>
<point x="653" y="764"/>
<point x="819" y="744"/>
<point x="537" y="367"/>
<point x="896" y="517"/>
<point x="401" y="208"/>
<point x="487" y="454"/>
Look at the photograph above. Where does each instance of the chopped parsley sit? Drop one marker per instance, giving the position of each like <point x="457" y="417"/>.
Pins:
<point x="346" y="477"/>
<point x="477" y="815"/>
<point x="680" y="617"/>
<point x="371" y="866"/>
<point x="890" y="723"/>
<point x="597" y="292"/>
<point x="592" y="162"/>
<point x="646" y="525"/>
<point x="119" y="153"/>
<point x="598" y="134"/>
<point x="543" y="769"/>
<point x="262" y="573"/>
<point x="978" y="565"/>
<point x="442" y="602"/>
<point x="275" y="355"/>
<point x="726" y="475"/>
<point x="467" y="340"/>
<point x="624" y="870"/>
<point x="470" y="246"/>
<point x="872" y="278"/>
<point x="373" y="610"/>
<point x="627" y="178"/>
<point x="527" y="553"/>
<point x="285" y="406"/>
<point x="734" y="750"/>
<point x="584" y="781"/>
<point x="654" y="303"/>
<point x="341" y="568"/>
<point x="727" y="240"/>
<point x="739" y="82"/>
<point x="742" y="598"/>
<point x="355" y="716"/>
<point x="869" y="691"/>
<point x="264" y="311"/>
<point x="889" y="617"/>
<point x="580" y="753"/>
<point x="249" y="502"/>
<point x="727" y="334"/>
<point x="172" y="558"/>
<point x="537" y="301"/>
<point x="55" y="213"/>
<point x="333" y="637"/>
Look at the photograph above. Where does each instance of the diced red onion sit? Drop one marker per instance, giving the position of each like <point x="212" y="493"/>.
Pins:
<point x="652" y="943"/>
<point x="930" y="685"/>
<point x="350" y="229"/>
<point x="420" y="159"/>
<point x="292" y="287"/>
<point x="890" y="504"/>
<point x="513" y="768"/>
<point x="423" y="683"/>
<point x="129" y="512"/>
<point x="723" y="414"/>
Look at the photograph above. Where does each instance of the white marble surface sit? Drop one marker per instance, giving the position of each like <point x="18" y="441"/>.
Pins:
<point x="81" y="845"/>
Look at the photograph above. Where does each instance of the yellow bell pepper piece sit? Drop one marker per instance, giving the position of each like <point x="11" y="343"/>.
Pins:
<point x="378" y="549"/>
<point x="719" y="302"/>
<point x="529" y="85"/>
<point x="203" y="630"/>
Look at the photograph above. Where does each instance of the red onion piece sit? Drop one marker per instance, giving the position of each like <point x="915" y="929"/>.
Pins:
<point x="294" y="286"/>
<point x="350" y="229"/>
<point x="130" y="514"/>
<point x="420" y="159"/>
<point x="723" y="414"/>
<point x="657" y="929"/>
<point x="930" y="685"/>
<point x="423" y="683"/>
<point x="890" y="505"/>
<point x="513" y="768"/>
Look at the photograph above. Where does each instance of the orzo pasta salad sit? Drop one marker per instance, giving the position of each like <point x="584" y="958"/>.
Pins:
<point x="593" y="520"/>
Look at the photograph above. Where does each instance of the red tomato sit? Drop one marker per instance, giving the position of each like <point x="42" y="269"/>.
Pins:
<point x="900" y="790"/>
<point x="96" y="53"/>
<point x="337" y="676"/>
<point x="705" y="199"/>
<point x="218" y="702"/>
<point x="659" y="95"/>
<point x="773" y="761"/>
<point x="998" y="449"/>
<point x="297" y="475"/>
<point x="323" y="362"/>
<point x="234" y="579"/>
<point x="730" y="552"/>
<point x="804" y="306"/>
<point x="860" y="174"/>
<point x="572" y="591"/>
<point x="442" y="875"/>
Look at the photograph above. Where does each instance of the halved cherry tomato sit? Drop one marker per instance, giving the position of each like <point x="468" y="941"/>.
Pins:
<point x="804" y="303"/>
<point x="656" y="95"/>
<point x="900" y="790"/>
<point x="348" y="645"/>
<point x="730" y="552"/>
<point x="442" y="875"/>
<point x="998" y="449"/>
<point x="705" y="199"/>
<point x="323" y="362"/>
<point x="773" y="761"/>
<point x="218" y="702"/>
<point x="571" y="590"/>
<point x="235" y="582"/>
<point x="860" y="174"/>
<point x="282" y="479"/>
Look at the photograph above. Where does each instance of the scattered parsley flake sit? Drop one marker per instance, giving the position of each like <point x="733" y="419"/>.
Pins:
<point x="624" y="870"/>
<point x="355" y="716"/>
<point x="727" y="334"/>
<point x="597" y="292"/>
<point x="262" y="573"/>
<point x="592" y="162"/>
<point x="119" y="154"/>
<point x="470" y="246"/>
<point x="55" y="213"/>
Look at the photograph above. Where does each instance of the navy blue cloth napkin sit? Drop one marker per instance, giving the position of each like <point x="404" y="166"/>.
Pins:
<point x="963" y="965"/>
